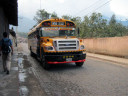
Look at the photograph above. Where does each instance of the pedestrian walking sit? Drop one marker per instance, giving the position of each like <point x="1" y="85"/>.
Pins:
<point x="7" y="50"/>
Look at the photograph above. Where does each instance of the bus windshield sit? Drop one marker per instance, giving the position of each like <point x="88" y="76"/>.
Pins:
<point x="55" y="32"/>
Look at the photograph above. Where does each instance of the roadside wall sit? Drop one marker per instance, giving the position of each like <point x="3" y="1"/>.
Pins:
<point x="116" y="46"/>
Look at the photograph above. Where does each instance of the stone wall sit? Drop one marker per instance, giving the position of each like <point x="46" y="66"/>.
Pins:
<point x="116" y="46"/>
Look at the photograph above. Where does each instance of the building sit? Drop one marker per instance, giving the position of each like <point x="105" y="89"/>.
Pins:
<point x="8" y="15"/>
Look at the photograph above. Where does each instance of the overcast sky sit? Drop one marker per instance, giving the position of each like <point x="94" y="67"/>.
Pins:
<point x="28" y="8"/>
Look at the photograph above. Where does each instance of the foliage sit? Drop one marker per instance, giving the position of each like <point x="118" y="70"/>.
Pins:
<point x="41" y="15"/>
<point x="90" y="26"/>
<point x="54" y="15"/>
<point x="66" y="17"/>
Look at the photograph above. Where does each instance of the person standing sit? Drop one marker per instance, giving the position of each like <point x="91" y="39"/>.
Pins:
<point x="7" y="50"/>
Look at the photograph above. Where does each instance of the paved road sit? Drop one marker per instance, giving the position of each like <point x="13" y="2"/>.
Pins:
<point x="96" y="78"/>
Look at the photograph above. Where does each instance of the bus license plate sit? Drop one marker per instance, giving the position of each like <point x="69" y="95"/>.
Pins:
<point x="68" y="59"/>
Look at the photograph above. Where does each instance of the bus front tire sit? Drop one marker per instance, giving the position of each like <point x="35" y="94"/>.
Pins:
<point x="45" y="65"/>
<point x="79" y="64"/>
<point x="31" y="53"/>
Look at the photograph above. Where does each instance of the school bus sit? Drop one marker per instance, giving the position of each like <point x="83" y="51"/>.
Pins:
<point x="54" y="41"/>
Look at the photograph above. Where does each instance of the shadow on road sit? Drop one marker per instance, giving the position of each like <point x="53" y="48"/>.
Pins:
<point x="60" y="67"/>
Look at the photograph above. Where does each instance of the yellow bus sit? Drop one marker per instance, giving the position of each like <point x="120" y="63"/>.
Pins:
<point x="54" y="41"/>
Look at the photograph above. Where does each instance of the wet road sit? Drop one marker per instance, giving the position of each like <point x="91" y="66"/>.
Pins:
<point x="95" y="78"/>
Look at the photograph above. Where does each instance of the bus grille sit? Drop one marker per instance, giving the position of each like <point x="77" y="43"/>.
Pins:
<point x="66" y="45"/>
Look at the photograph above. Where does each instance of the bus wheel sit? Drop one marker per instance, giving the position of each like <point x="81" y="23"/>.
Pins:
<point x="79" y="64"/>
<point x="31" y="53"/>
<point x="45" y="64"/>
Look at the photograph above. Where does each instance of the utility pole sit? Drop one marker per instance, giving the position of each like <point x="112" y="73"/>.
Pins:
<point x="40" y="4"/>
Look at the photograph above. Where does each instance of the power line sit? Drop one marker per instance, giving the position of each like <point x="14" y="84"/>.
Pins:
<point x="88" y="7"/>
<point x="100" y="6"/>
<point x="40" y="4"/>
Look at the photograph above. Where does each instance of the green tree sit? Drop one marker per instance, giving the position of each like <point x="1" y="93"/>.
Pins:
<point x="66" y="17"/>
<point x="85" y="31"/>
<point x="94" y="26"/>
<point x="77" y="21"/>
<point x="41" y="15"/>
<point x="112" y="26"/>
<point x="54" y="15"/>
<point x="112" y="20"/>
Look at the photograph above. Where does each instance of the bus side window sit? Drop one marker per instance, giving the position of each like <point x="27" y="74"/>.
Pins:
<point x="34" y="34"/>
<point x="37" y="34"/>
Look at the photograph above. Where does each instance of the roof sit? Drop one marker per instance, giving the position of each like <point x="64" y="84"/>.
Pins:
<point x="10" y="8"/>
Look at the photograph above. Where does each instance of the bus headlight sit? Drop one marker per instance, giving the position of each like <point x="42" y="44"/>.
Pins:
<point x="49" y="48"/>
<point x="82" y="47"/>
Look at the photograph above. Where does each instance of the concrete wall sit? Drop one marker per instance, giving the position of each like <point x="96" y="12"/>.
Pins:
<point x="4" y="25"/>
<point x="117" y="46"/>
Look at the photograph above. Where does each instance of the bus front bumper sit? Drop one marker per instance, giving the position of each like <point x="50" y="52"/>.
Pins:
<point x="65" y="58"/>
<point x="65" y="62"/>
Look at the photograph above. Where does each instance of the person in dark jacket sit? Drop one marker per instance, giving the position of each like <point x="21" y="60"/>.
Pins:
<point x="7" y="50"/>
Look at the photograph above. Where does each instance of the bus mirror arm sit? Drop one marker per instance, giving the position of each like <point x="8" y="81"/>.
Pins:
<point x="78" y="31"/>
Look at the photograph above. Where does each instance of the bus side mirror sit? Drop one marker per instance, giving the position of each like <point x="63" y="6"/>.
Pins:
<point x="78" y="31"/>
<point x="38" y="34"/>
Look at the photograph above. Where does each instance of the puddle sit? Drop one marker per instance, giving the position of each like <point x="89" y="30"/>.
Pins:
<point x="23" y="91"/>
<point x="22" y="77"/>
<point x="20" y="62"/>
<point x="14" y="68"/>
<point x="22" y="74"/>
<point x="15" y="59"/>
